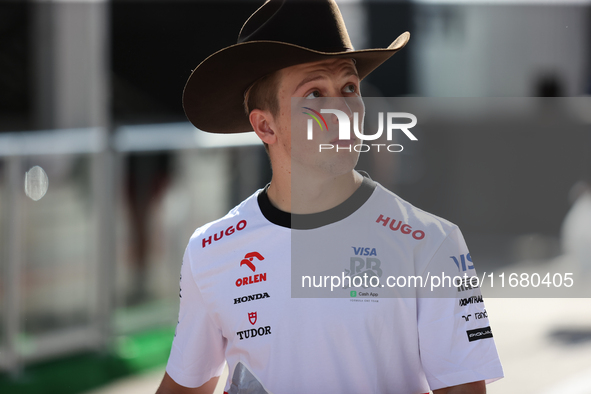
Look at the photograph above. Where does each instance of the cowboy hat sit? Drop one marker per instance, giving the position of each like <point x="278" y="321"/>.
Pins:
<point x="281" y="33"/>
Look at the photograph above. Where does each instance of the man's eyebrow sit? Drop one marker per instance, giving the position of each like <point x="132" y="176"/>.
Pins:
<point x="350" y="71"/>
<point x="311" y="78"/>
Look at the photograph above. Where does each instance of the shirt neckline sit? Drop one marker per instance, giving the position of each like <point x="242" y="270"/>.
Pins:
<point x="315" y="220"/>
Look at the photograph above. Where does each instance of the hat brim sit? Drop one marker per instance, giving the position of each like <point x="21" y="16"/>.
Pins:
<point x="213" y="95"/>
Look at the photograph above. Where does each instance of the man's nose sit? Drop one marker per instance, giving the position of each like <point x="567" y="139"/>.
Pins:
<point x="341" y="104"/>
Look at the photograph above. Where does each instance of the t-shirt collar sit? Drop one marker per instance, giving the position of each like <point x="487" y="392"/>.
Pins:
<point x="315" y="220"/>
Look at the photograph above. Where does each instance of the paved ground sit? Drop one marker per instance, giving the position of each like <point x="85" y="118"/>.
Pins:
<point x="544" y="344"/>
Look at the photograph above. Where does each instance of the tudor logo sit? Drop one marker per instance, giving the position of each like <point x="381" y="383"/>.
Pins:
<point x="248" y="260"/>
<point x="252" y="317"/>
<point x="253" y="332"/>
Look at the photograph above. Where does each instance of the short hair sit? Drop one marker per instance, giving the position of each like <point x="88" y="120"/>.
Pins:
<point x="262" y="94"/>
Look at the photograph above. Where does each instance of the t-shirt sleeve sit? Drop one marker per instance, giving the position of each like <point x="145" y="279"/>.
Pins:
<point x="455" y="339"/>
<point x="198" y="348"/>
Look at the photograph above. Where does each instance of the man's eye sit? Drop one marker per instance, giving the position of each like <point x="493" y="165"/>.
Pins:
<point x="314" y="94"/>
<point x="351" y="88"/>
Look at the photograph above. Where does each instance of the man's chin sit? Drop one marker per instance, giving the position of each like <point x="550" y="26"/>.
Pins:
<point x="328" y="165"/>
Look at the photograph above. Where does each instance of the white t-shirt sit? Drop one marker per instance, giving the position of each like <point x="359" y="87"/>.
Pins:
<point x="237" y="304"/>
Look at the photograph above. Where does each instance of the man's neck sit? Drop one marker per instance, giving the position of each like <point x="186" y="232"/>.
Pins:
<point x="312" y="194"/>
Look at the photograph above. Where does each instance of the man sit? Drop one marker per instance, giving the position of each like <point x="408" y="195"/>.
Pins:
<point x="236" y="301"/>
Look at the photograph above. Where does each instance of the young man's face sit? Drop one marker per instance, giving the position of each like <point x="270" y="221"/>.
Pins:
<point x="326" y="84"/>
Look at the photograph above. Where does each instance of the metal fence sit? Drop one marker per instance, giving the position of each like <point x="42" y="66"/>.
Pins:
<point x="66" y="260"/>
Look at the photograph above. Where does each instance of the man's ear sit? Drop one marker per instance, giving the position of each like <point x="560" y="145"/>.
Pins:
<point x="261" y="122"/>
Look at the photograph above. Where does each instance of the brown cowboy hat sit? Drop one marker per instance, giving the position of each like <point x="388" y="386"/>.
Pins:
<point x="281" y="33"/>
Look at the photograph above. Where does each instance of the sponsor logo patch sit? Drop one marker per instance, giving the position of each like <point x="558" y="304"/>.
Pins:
<point x="360" y="266"/>
<point x="396" y="225"/>
<point x="249" y="280"/>
<point x="481" y="315"/>
<point x="241" y="225"/>
<point x="461" y="263"/>
<point x="361" y="251"/>
<point x="247" y="260"/>
<point x="367" y="294"/>
<point x="252" y="317"/>
<point x="253" y="332"/>
<point x="470" y="300"/>
<point x="479" y="333"/>
<point x="468" y="283"/>
<point x="252" y="297"/>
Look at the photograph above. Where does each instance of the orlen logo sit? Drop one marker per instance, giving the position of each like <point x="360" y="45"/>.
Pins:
<point x="404" y="228"/>
<point x="229" y="231"/>
<point x="248" y="261"/>
<point x="345" y="129"/>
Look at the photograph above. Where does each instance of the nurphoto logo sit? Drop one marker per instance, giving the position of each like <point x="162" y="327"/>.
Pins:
<point x="345" y="129"/>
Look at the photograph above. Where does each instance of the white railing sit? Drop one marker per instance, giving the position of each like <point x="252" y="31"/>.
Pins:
<point x="15" y="150"/>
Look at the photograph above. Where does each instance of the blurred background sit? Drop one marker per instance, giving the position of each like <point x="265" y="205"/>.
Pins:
<point x="90" y="91"/>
